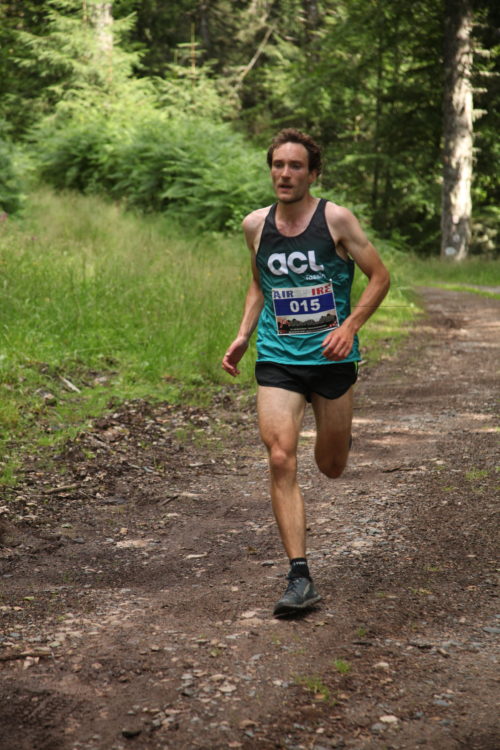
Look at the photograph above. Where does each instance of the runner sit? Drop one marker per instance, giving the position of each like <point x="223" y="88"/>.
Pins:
<point x="303" y="253"/>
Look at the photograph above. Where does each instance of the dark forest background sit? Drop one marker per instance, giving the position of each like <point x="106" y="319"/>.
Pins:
<point x="168" y="106"/>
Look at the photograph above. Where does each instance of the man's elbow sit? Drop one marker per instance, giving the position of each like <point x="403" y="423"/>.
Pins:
<point x="382" y="278"/>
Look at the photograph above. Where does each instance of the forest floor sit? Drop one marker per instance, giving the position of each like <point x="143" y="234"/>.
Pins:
<point x="139" y="566"/>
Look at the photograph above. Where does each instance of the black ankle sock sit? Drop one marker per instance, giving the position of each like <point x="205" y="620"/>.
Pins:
<point x="299" y="568"/>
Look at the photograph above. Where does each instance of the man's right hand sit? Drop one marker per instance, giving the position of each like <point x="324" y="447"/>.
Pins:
<point x="234" y="354"/>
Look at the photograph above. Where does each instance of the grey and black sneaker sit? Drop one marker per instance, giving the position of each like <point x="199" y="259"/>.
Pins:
<point x="300" y="595"/>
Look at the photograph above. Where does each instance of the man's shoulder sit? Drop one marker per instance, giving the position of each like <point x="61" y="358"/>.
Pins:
<point x="255" y="219"/>
<point x="253" y="225"/>
<point x="336" y="212"/>
<point x="340" y="219"/>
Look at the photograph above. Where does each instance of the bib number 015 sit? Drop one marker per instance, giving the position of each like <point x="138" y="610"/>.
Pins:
<point x="304" y="309"/>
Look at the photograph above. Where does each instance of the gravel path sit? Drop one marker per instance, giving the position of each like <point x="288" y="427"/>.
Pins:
<point x="140" y="565"/>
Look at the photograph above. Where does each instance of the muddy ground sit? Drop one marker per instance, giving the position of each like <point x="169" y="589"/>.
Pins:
<point x="140" y="565"/>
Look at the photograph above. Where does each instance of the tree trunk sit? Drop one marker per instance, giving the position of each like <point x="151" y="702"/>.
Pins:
<point x="101" y="14"/>
<point x="311" y="12"/>
<point x="205" y="29"/>
<point x="457" y="131"/>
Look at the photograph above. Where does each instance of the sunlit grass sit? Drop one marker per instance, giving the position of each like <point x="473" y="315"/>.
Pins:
<point x="87" y="282"/>
<point x="474" y="271"/>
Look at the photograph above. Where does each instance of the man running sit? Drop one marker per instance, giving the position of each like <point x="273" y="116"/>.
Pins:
<point x="303" y="253"/>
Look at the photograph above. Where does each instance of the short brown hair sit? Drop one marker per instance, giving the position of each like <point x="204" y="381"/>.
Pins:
<point x="291" y="135"/>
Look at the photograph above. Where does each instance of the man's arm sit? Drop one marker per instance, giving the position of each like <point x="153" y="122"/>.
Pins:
<point x="254" y="302"/>
<point x="351" y="239"/>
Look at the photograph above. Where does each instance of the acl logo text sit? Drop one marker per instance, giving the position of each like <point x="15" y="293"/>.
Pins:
<point x="297" y="262"/>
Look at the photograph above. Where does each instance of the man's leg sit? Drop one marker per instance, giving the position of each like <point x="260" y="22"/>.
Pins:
<point x="333" y="432"/>
<point x="280" y="415"/>
<point x="280" y="419"/>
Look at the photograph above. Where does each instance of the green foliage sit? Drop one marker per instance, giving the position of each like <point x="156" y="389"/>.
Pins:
<point x="10" y="179"/>
<point x="486" y="183"/>
<point x="365" y="85"/>
<point x="155" y="146"/>
<point x="342" y="666"/>
<point x="314" y="684"/>
<point x="77" y="50"/>
<point x="153" y="159"/>
<point x="203" y="172"/>
<point x="196" y="92"/>
<point x="363" y="76"/>
<point x="20" y="87"/>
<point x="486" y="230"/>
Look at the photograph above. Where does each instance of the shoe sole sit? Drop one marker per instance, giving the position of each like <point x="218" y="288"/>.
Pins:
<point x="290" y="609"/>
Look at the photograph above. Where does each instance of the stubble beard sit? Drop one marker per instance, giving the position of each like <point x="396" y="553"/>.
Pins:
<point x="292" y="199"/>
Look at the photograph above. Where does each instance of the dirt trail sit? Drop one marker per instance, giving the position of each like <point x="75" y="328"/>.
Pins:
<point x="139" y="570"/>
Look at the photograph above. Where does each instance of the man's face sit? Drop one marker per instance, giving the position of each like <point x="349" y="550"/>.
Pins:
<point x="290" y="173"/>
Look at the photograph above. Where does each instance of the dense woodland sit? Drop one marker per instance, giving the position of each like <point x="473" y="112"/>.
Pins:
<point x="168" y="106"/>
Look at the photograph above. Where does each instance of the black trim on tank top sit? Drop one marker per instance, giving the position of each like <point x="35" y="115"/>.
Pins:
<point x="272" y="220"/>
<point x="317" y="217"/>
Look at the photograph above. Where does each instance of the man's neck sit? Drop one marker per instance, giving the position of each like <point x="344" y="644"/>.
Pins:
<point x="293" y="214"/>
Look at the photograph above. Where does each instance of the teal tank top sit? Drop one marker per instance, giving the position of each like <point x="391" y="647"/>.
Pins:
<point x="307" y="290"/>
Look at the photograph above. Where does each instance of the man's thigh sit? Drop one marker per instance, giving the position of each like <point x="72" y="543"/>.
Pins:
<point x="280" y="414"/>
<point x="333" y="422"/>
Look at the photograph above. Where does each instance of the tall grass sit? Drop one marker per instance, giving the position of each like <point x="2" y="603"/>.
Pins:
<point x="476" y="271"/>
<point x="83" y="282"/>
<point x="109" y="303"/>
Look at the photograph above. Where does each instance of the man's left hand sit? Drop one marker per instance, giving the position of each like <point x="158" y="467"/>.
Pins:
<point x="338" y="344"/>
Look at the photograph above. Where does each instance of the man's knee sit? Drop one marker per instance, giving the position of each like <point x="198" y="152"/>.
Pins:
<point x="332" y="469"/>
<point x="281" y="461"/>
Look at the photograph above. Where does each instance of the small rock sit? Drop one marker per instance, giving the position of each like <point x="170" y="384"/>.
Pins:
<point x="114" y="500"/>
<point x="389" y="719"/>
<point x="421" y="644"/>
<point x="381" y="665"/>
<point x="131" y="732"/>
<point x="492" y="630"/>
<point x="337" y="742"/>
<point x="47" y="397"/>
<point x="227" y="688"/>
<point x="246" y="723"/>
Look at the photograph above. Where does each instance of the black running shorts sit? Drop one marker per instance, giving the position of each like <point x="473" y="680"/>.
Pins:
<point x="330" y="381"/>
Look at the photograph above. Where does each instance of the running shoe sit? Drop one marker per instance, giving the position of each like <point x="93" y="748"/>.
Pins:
<point x="300" y="594"/>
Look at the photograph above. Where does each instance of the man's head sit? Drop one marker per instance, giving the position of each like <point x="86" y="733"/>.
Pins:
<point x="291" y="135"/>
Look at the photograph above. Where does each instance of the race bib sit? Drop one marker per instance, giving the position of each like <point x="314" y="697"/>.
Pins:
<point x="304" y="309"/>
